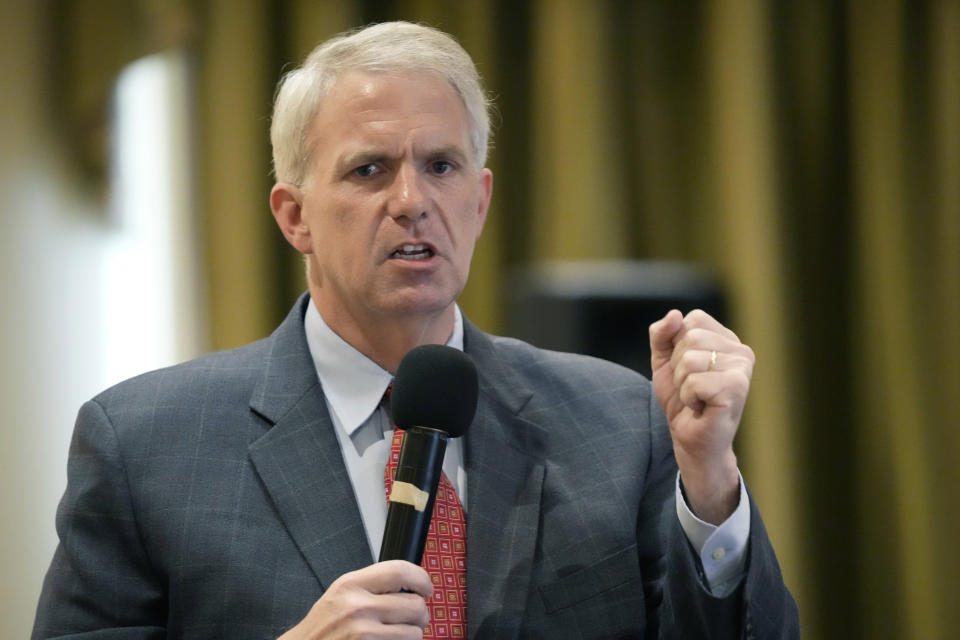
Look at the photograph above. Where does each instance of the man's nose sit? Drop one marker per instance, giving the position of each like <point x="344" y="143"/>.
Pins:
<point x="407" y="198"/>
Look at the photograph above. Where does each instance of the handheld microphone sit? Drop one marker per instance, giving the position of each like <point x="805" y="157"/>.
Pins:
<point x="434" y="397"/>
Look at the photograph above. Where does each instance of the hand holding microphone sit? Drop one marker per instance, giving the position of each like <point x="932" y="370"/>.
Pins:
<point x="434" y="398"/>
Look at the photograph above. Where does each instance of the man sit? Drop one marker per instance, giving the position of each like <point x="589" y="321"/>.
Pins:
<point x="241" y="495"/>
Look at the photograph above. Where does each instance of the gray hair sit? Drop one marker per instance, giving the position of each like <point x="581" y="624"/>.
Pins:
<point x="393" y="47"/>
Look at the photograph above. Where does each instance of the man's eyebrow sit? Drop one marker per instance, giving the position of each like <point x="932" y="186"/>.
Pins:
<point x="454" y="152"/>
<point x="352" y="159"/>
<point x="359" y="158"/>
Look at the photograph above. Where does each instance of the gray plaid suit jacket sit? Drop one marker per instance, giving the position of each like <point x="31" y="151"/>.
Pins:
<point x="210" y="500"/>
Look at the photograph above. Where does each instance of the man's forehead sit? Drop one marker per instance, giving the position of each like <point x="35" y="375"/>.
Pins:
<point x="359" y="85"/>
<point x="379" y="113"/>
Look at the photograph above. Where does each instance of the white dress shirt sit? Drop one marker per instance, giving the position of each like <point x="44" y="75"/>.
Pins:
<point x="353" y="386"/>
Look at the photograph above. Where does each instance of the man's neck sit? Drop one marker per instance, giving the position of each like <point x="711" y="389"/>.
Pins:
<point x="387" y="339"/>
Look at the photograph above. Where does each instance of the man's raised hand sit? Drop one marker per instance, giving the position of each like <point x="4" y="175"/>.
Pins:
<point x="701" y="376"/>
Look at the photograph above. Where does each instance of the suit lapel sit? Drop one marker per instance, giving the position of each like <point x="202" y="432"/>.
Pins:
<point x="299" y="459"/>
<point x="505" y="479"/>
<point x="300" y="464"/>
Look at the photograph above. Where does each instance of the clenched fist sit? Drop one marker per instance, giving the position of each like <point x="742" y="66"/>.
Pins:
<point x="701" y="376"/>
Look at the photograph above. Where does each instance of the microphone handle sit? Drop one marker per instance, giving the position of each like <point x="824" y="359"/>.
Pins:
<point x="420" y="464"/>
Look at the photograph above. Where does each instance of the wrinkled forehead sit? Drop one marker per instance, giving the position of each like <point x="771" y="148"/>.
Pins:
<point x="397" y="87"/>
<point x="390" y="108"/>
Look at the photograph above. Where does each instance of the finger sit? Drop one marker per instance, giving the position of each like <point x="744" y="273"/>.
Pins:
<point x="694" y="361"/>
<point x="392" y="576"/>
<point x="705" y="338"/>
<point x="673" y="405"/>
<point x="707" y="341"/>
<point x="702" y="361"/>
<point x="700" y="319"/>
<point x="662" y="335"/>
<point x="403" y="608"/>
<point x="396" y="632"/>
<point x="362" y="607"/>
<point x="374" y="629"/>
<point x="715" y="389"/>
<point x="712" y="361"/>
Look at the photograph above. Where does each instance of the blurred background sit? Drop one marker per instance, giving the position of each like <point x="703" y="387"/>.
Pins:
<point x="804" y="154"/>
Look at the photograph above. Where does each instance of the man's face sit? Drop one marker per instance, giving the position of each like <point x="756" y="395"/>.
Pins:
<point x="394" y="203"/>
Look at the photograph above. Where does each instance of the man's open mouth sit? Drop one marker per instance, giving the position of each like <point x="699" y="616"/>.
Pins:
<point x="413" y="252"/>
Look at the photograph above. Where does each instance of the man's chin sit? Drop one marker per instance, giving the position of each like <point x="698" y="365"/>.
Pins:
<point x="412" y="310"/>
<point x="417" y="303"/>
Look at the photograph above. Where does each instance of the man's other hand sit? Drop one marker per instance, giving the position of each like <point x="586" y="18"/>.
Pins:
<point x="701" y="375"/>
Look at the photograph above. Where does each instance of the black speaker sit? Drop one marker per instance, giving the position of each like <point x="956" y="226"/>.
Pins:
<point x="604" y="309"/>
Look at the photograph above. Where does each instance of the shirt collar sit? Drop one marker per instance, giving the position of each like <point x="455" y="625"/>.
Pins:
<point x="353" y="383"/>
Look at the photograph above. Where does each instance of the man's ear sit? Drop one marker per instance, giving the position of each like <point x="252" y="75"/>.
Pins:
<point x="286" y="202"/>
<point x="486" y="192"/>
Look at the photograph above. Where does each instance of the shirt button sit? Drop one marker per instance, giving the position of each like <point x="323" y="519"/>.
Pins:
<point x="718" y="553"/>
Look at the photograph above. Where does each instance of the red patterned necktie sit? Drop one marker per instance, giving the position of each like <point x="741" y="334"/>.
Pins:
<point x="444" y="557"/>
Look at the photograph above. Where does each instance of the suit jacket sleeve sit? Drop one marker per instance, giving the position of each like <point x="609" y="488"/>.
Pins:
<point x="100" y="583"/>
<point x="676" y="591"/>
<point x="606" y="551"/>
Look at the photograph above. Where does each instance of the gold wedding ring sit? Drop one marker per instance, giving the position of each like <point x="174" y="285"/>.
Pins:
<point x="713" y="361"/>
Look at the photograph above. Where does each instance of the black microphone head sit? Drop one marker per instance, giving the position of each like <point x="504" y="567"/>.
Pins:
<point x="435" y="387"/>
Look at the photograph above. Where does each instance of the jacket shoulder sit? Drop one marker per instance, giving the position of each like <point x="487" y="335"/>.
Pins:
<point x="221" y="378"/>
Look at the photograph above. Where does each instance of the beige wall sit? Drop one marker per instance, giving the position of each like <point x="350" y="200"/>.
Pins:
<point x="84" y="278"/>
<point x="52" y="237"/>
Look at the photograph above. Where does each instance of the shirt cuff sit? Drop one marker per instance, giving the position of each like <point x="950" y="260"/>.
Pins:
<point x="723" y="548"/>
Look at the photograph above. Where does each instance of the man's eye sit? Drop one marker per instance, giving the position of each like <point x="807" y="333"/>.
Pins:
<point x="366" y="170"/>
<point x="441" y="167"/>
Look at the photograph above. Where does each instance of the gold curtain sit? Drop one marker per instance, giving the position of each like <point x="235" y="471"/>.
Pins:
<point x="807" y="152"/>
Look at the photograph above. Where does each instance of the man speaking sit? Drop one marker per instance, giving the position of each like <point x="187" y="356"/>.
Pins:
<point x="243" y="494"/>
